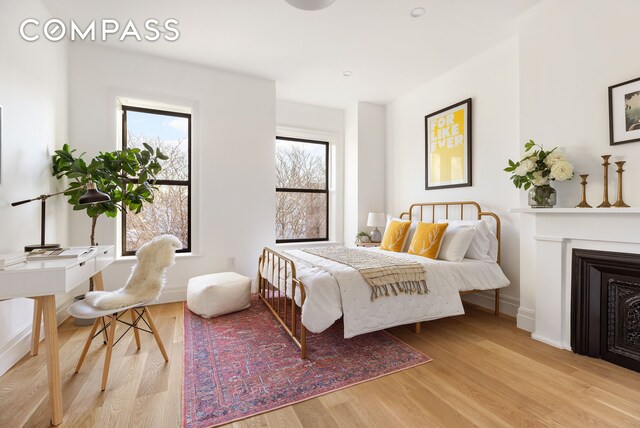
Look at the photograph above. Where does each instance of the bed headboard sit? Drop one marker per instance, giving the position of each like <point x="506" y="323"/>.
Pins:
<point x="465" y="210"/>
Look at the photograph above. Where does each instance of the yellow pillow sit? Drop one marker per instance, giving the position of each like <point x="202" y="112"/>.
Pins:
<point x="395" y="235"/>
<point x="427" y="240"/>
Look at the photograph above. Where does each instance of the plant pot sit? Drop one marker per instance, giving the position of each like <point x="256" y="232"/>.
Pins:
<point x="542" y="197"/>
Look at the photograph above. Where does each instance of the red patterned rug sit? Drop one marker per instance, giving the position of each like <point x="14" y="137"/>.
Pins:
<point x="243" y="364"/>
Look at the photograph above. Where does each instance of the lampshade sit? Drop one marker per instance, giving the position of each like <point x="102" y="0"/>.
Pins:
<point x="310" y="4"/>
<point x="376" y="219"/>
<point x="93" y="195"/>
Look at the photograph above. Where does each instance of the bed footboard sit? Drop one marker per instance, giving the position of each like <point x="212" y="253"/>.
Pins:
<point x="276" y="279"/>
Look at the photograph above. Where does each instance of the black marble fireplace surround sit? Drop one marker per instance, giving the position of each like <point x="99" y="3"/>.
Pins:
<point x="605" y="306"/>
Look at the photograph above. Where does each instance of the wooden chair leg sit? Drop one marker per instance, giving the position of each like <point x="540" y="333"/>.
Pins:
<point x="497" y="309"/>
<point x="98" y="285"/>
<point x="155" y="333"/>
<point x="87" y="344"/>
<point x="107" y="357"/>
<point x="418" y="325"/>
<point x="35" y="327"/>
<point x="135" y="328"/>
<point x="105" y="335"/>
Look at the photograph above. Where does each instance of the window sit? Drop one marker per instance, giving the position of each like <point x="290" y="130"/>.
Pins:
<point x="171" y="208"/>
<point x="302" y="190"/>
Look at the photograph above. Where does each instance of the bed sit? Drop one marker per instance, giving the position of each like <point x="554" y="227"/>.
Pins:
<point x="307" y="292"/>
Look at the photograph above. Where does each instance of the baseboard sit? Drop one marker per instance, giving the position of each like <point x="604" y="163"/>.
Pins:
<point x="526" y="319"/>
<point x="486" y="299"/>
<point x="15" y="348"/>
<point x="20" y="343"/>
<point x="547" y="341"/>
<point x="173" y="294"/>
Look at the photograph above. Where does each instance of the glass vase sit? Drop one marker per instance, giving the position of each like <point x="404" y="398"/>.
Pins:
<point x="542" y="197"/>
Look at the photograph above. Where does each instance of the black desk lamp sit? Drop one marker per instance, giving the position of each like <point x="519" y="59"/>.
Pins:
<point x="92" y="196"/>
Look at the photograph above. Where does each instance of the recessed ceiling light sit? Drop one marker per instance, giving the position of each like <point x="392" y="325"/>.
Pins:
<point x="310" y="4"/>
<point x="347" y="73"/>
<point x="417" y="12"/>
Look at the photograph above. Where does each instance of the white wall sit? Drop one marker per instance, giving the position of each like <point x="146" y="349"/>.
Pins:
<point x="33" y="93"/>
<point x="571" y="51"/>
<point x="233" y="151"/>
<point x="565" y="69"/>
<point x="351" y="168"/>
<point x="371" y="172"/>
<point x="298" y="120"/>
<point x="364" y="166"/>
<point x="491" y="80"/>
<point x="307" y="116"/>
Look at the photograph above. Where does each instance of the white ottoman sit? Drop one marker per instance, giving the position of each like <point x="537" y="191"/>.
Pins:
<point x="218" y="294"/>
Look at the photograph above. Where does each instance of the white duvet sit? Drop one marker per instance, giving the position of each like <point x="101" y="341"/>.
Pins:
<point x="334" y="290"/>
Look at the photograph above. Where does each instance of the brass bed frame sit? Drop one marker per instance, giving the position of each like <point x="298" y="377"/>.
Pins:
<point x="281" y="270"/>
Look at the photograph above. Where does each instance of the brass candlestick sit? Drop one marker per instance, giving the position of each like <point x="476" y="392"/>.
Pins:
<point x="620" y="203"/>
<point x="583" y="203"/>
<point x="605" y="202"/>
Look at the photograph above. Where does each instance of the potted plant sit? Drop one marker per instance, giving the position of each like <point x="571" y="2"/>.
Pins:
<point x="127" y="176"/>
<point x="362" y="237"/>
<point x="535" y="172"/>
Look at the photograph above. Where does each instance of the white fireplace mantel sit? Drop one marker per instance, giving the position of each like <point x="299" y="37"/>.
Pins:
<point x="631" y="210"/>
<point x="547" y="239"/>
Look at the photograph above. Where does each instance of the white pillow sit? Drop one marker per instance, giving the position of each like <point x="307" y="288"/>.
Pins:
<point x="484" y="245"/>
<point x="456" y="243"/>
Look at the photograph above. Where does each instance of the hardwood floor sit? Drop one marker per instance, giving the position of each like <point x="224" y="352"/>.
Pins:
<point x="485" y="373"/>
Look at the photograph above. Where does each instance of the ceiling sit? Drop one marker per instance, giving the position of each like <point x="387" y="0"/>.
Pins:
<point x="306" y="52"/>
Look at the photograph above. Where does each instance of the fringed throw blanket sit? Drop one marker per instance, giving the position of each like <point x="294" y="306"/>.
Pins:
<point x="382" y="272"/>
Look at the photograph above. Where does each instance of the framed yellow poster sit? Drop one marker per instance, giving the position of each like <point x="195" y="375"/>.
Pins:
<point x="448" y="147"/>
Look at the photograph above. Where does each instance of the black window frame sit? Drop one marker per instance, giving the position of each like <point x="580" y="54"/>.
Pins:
<point x="158" y="182"/>
<point x="296" y="190"/>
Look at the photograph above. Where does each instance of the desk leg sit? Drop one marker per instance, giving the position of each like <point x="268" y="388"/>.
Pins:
<point x="53" y="360"/>
<point x="35" y="327"/>
<point x="98" y="284"/>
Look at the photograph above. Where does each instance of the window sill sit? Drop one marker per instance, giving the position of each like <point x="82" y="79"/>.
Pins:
<point x="179" y="256"/>
<point x="298" y="245"/>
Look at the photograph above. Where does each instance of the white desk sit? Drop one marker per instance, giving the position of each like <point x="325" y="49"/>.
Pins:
<point x="41" y="281"/>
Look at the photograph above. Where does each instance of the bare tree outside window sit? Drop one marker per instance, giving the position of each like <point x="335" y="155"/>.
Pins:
<point x="302" y="190"/>
<point x="170" y="212"/>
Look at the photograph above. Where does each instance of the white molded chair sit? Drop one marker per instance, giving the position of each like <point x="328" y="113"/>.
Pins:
<point x="109" y="318"/>
<point x="142" y="289"/>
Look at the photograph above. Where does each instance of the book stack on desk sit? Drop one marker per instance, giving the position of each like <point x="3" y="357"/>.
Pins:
<point x="11" y="259"/>
<point x="59" y="254"/>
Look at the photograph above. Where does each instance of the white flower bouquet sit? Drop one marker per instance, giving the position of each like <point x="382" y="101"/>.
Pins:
<point x="539" y="167"/>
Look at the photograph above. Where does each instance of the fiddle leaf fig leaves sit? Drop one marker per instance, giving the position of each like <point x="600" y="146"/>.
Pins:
<point x="127" y="176"/>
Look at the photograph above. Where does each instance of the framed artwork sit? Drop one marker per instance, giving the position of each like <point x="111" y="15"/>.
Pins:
<point x="624" y="112"/>
<point x="448" y="147"/>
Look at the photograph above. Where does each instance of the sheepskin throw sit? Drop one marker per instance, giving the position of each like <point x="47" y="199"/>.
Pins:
<point x="381" y="271"/>
<point x="147" y="279"/>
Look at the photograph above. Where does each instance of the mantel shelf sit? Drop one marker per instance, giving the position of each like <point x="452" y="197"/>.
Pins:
<point x="546" y="211"/>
